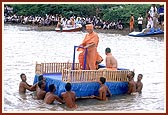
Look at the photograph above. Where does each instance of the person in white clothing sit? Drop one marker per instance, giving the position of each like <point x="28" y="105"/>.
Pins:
<point x="140" y="22"/>
<point x="152" y="10"/>
<point x="150" y="22"/>
<point x="155" y="19"/>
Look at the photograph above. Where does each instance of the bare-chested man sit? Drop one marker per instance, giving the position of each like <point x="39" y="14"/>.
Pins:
<point x="132" y="84"/>
<point x="24" y="85"/>
<point x="103" y="90"/>
<point x="139" y="84"/>
<point x="40" y="92"/>
<point x="111" y="62"/>
<point x="50" y="97"/>
<point x="69" y="97"/>
<point x="40" y="78"/>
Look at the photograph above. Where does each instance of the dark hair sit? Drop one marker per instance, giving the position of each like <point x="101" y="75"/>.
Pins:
<point x="132" y="73"/>
<point x="89" y="23"/>
<point x="40" y="83"/>
<point x="68" y="86"/>
<point x="108" y="50"/>
<point x="51" y="87"/>
<point x="103" y="80"/>
<point x="40" y="77"/>
<point x="140" y="75"/>
<point x="21" y="75"/>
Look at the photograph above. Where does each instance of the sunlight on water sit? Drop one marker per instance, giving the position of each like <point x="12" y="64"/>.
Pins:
<point x="22" y="48"/>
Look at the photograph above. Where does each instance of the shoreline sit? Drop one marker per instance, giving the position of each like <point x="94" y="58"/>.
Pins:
<point x="123" y="32"/>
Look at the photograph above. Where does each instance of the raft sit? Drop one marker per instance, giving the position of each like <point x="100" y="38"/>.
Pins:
<point x="142" y="34"/>
<point x="84" y="82"/>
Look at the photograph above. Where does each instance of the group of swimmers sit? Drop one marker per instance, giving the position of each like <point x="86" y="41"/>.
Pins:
<point x="49" y="97"/>
<point x="134" y="87"/>
<point x="69" y="97"/>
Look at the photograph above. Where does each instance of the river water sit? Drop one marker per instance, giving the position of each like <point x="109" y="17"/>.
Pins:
<point x="22" y="47"/>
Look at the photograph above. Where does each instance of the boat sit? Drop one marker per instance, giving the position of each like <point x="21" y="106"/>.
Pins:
<point x="143" y="34"/>
<point x="84" y="82"/>
<point x="69" y="28"/>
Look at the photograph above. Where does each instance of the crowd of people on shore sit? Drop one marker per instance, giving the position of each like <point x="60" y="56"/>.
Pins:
<point x="48" y="20"/>
<point x="154" y="17"/>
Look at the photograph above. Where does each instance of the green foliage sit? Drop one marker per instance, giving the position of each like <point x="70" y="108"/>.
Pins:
<point x="123" y="12"/>
<point x="111" y="12"/>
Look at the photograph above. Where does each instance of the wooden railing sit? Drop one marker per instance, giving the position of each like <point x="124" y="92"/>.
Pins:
<point x="53" y="67"/>
<point x="94" y="75"/>
<point x="77" y="75"/>
<point x="81" y="75"/>
<point x="116" y="76"/>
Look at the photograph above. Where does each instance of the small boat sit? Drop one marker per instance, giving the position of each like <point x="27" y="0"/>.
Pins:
<point x="143" y="34"/>
<point x="69" y="29"/>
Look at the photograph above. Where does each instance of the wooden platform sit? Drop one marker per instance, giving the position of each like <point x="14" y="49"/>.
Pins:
<point x="77" y="75"/>
<point x="84" y="82"/>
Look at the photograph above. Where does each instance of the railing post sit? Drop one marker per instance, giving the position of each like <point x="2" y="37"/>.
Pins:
<point x="73" y="64"/>
<point x="38" y="68"/>
<point x="104" y="73"/>
<point x="69" y="75"/>
<point x="85" y="59"/>
<point x="73" y="58"/>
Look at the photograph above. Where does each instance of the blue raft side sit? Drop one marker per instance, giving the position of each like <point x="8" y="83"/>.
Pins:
<point x="82" y="89"/>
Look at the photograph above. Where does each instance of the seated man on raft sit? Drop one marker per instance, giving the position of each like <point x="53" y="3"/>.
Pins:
<point x="110" y="61"/>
